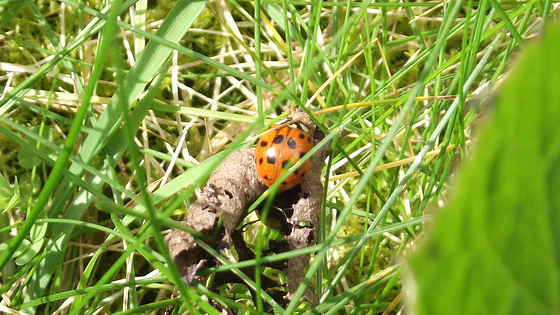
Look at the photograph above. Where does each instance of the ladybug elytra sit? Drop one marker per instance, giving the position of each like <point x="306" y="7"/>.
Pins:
<point x="278" y="150"/>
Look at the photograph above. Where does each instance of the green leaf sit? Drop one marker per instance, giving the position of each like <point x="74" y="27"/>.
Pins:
<point x="27" y="158"/>
<point x="29" y="252"/>
<point x="496" y="249"/>
<point x="20" y="250"/>
<point x="9" y="197"/>
<point x="28" y="187"/>
<point x="5" y="189"/>
<point x="39" y="230"/>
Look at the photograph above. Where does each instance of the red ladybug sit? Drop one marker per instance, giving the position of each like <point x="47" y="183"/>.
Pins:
<point x="278" y="150"/>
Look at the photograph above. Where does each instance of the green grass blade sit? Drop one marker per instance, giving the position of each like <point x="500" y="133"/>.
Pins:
<point x="20" y="90"/>
<point x="495" y="249"/>
<point x="146" y="68"/>
<point x="56" y="173"/>
<point x="398" y="87"/>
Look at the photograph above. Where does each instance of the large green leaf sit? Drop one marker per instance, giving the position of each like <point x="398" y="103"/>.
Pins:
<point x="496" y="248"/>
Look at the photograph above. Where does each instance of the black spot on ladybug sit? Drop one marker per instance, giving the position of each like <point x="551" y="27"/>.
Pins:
<point x="302" y="175"/>
<point x="292" y="143"/>
<point x="285" y="164"/>
<point x="284" y="183"/>
<point x="271" y="156"/>
<point x="266" y="177"/>
<point x="301" y="154"/>
<point x="271" y="159"/>
<point x="279" y="139"/>
<point x="261" y="160"/>
<point x="309" y="139"/>
<point x="301" y="136"/>
<point x="264" y="143"/>
<point x="296" y="171"/>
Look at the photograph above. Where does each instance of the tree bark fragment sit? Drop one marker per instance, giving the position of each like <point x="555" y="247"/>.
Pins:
<point x="229" y="192"/>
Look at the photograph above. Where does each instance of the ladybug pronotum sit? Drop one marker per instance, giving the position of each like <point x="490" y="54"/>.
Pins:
<point x="278" y="150"/>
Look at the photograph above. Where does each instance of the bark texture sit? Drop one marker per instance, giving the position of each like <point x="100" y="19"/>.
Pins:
<point x="230" y="191"/>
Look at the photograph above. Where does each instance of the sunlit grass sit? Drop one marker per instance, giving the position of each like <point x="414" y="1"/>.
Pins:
<point x="406" y="83"/>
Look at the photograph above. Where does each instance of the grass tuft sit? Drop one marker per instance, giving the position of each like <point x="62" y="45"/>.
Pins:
<point x="113" y="116"/>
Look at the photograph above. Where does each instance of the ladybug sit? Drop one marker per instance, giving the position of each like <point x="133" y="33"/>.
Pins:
<point x="279" y="149"/>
